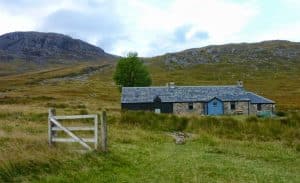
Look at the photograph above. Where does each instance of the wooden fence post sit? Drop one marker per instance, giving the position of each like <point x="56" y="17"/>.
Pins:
<point x="104" y="131"/>
<point x="96" y="136"/>
<point x="52" y="112"/>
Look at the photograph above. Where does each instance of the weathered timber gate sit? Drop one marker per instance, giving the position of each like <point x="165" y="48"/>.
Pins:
<point x="54" y="125"/>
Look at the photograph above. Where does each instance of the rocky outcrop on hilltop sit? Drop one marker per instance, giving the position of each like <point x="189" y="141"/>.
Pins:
<point x="38" y="46"/>
<point x="263" y="51"/>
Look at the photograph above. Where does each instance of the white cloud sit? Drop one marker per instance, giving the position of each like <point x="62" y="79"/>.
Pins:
<point x="220" y="19"/>
<point x="149" y="27"/>
<point x="153" y="25"/>
<point x="13" y="23"/>
<point x="289" y="31"/>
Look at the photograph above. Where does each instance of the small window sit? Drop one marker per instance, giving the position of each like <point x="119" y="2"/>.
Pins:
<point x="191" y="106"/>
<point x="215" y="103"/>
<point x="232" y="105"/>
<point x="259" y="107"/>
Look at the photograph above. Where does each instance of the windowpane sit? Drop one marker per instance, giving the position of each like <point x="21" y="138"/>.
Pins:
<point x="232" y="105"/>
<point x="259" y="107"/>
<point x="191" y="106"/>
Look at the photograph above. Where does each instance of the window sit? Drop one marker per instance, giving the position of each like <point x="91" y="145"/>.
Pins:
<point x="232" y="105"/>
<point x="259" y="107"/>
<point x="157" y="111"/>
<point x="191" y="106"/>
<point x="215" y="103"/>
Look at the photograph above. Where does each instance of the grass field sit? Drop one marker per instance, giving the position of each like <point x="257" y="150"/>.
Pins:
<point x="225" y="149"/>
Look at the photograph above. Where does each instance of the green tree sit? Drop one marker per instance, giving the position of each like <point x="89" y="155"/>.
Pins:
<point x="130" y="71"/>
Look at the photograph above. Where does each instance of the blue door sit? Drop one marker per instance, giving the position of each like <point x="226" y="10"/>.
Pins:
<point x="215" y="107"/>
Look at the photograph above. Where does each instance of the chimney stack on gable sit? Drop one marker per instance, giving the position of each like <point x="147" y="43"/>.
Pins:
<point x="240" y="83"/>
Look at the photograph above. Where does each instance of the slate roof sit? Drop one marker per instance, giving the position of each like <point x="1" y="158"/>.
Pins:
<point x="256" y="99"/>
<point x="189" y="94"/>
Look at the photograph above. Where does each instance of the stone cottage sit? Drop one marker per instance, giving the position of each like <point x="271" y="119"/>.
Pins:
<point x="202" y="100"/>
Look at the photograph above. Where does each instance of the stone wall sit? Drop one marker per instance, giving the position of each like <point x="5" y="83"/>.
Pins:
<point x="239" y="106"/>
<point x="183" y="108"/>
<point x="264" y="107"/>
<point x="198" y="109"/>
<point x="253" y="109"/>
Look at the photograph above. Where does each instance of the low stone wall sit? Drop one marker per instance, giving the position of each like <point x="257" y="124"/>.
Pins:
<point x="239" y="106"/>
<point x="183" y="108"/>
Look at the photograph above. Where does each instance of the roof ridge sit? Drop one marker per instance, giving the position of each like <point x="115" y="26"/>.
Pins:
<point x="182" y="86"/>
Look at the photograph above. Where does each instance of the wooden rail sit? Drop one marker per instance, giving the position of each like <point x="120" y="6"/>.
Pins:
<point x="54" y="126"/>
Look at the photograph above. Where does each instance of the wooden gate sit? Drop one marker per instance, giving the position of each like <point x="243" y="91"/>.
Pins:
<point x="54" y="125"/>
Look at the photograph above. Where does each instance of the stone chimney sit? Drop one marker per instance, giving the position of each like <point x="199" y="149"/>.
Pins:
<point x="240" y="83"/>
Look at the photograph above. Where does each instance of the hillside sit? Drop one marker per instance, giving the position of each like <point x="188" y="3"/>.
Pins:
<point x="21" y="52"/>
<point x="218" y="149"/>
<point x="43" y="46"/>
<point x="271" y="73"/>
<point x="25" y="51"/>
<point x="267" y="51"/>
<point x="270" y="68"/>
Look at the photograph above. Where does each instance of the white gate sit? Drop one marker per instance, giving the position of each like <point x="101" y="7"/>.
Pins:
<point x="54" y="125"/>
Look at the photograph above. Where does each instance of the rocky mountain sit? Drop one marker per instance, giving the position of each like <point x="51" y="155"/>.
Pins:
<point x="243" y="52"/>
<point x="41" y="50"/>
<point x="40" y="47"/>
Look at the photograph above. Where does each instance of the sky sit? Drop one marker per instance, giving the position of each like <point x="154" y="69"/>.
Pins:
<point x="155" y="27"/>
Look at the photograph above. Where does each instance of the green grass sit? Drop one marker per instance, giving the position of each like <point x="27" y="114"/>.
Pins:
<point x="230" y="127"/>
<point x="220" y="149"/>
<point x="163" y="161"/>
